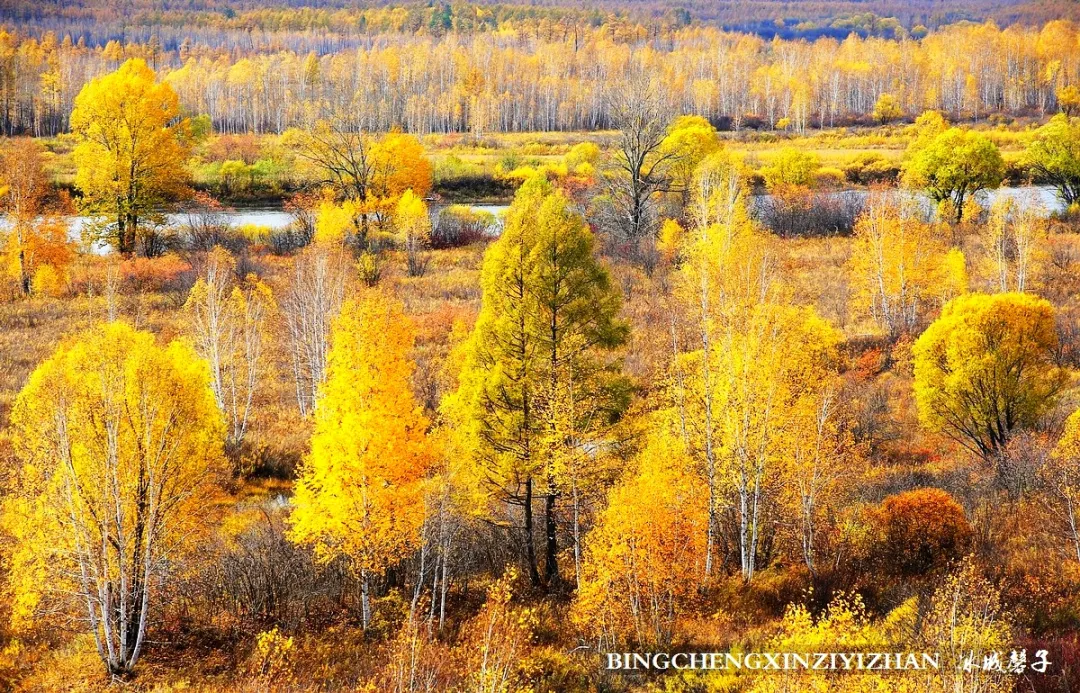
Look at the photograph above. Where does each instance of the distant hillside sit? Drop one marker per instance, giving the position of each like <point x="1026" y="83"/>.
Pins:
<point x="786" y="18"/>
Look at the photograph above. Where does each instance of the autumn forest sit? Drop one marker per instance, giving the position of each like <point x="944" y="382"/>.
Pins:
<point x="480" y="347"/>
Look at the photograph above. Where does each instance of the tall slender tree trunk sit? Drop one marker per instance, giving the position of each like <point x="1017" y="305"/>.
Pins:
<point x="551" y="562"/>
<point x="121" y="223"/>
<point x="365" y="600"/>
<point x="443" y="583"/>
<point x="530" y="545"/>
<point x="577" y="534"/>
<point x="420" y="573"/>
<point x="130" y="232"/>
<point x="1073" y="526"/>
<point x="710" y="452"/>
<point x="24" y="276"/>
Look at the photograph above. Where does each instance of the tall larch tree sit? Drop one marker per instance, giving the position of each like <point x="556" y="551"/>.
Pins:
<point x="544" y="344"/>
<point x="360" y="495"/>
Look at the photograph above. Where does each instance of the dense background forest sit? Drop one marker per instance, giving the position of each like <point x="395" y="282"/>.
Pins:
<point x="454" y="347"/>
<point x="478" y="70"/>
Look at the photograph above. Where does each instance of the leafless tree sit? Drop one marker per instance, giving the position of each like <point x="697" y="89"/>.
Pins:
<point x="228" y="322"/>
<point x="638" y="170"/>
<point x="262" y="577"/>
<point x="312" y="300"/>
<point x="204" y="224"/>
<point x="341" y="152"/>
<point x="301" y="231"/>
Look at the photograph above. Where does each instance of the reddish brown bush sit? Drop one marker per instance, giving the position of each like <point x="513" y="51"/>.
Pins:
<point x="917" y="532"/>
<point x="154" y="274"/>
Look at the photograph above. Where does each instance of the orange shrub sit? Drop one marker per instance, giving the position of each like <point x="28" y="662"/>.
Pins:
<point x="918" y="532"/>
<point x="153" y="274"/>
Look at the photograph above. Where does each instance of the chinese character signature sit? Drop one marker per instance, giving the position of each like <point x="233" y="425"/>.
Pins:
<point x="1016" y="662"/>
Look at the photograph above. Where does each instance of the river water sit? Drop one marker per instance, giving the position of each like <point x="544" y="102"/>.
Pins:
<point x="272" y="218"/>
<point x="277" y="218"/>
<point x="1043" y="196"/>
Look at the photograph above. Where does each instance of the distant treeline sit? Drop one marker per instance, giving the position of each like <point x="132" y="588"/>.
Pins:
<point x="767" y="17"/>
<point x="534" y="70"/>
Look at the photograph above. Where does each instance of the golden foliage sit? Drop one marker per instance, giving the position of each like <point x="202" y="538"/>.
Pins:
<point x="131" y="149"/>
<point x="643" y="560"/>
<point x="899" y="265"/>
<point x="496" y="640"/>
<point x="360" y="494"/>
<point x="986" y="369"/>
<point x="1061" y="473"/>
<point x="1014" y="238"/>
<point x="953" y="166"/>
<point x="120" y="441"/>
<point x="37" y="251"/>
